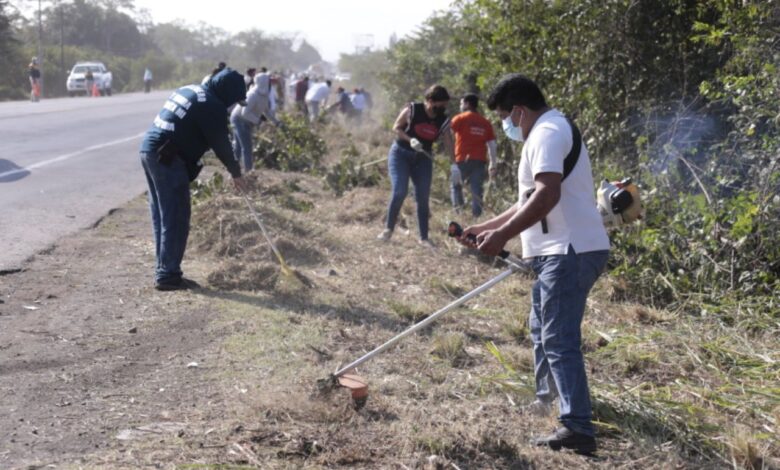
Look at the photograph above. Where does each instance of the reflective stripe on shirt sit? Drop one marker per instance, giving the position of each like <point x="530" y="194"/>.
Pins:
<point x="164" y="125"/>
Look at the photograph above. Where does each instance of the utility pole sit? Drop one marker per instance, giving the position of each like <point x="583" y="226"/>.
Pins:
<point x="62" y="43"/>
<point x="40" y="44"/>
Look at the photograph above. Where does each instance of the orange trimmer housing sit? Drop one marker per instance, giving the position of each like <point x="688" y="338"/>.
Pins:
<point x="356" y="384"/>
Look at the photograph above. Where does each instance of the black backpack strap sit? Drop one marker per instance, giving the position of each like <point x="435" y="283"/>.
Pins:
<point x="411" y="118"/>
<point x="568" y="163"/>
<point x="571" y="159"/>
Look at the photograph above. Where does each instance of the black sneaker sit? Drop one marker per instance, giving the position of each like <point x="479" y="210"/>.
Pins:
<point x="177" y="284"/>
<point x="566" y="438"/>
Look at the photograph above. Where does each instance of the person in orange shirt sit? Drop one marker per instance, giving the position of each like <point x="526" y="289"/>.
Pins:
<point x="474" y="140"/>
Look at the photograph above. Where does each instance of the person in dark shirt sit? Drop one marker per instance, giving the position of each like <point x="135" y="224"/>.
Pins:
<point x="35" y="80"/>
<point x="193" y="119"/>
<point x="301" y="87"/>
<point x="343" y="103"/>
<point x="417" y="127"/>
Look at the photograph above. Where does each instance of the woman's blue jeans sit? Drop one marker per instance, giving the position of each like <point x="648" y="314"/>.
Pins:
<point x="242" y="142"/>
<point x="557" y="307"/>
<point x="169" y="202"/>
<point x="402" y="165"/>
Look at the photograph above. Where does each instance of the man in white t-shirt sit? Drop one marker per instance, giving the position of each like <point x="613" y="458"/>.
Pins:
<point x="566" y="243"/>
<point x="316" y="97"/>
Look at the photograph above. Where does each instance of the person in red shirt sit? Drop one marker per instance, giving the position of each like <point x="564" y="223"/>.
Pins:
<point x="474" y="139"/>
<point x="301" y="87"/>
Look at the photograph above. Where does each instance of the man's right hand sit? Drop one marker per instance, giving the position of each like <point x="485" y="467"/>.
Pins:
<point x="474" y="230"/>
<point x="416" y="144"/>
<point x="240" y="184"/>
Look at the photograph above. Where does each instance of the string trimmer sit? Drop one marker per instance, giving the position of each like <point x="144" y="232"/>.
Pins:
<point x="346" y="376"/>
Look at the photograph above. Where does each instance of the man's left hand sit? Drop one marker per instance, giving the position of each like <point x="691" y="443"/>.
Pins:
<point x="491" y="242"/>
<point x="492" y="170"/>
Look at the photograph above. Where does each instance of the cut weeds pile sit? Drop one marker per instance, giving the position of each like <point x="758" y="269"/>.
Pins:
<point x="669" y="390"/>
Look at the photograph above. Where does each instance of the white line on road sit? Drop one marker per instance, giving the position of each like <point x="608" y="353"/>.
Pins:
<point x="35" y="166"/>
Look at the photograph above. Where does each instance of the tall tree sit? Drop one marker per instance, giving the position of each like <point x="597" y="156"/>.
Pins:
<point x="98" y="25"/>
<point x="12" y="72"/>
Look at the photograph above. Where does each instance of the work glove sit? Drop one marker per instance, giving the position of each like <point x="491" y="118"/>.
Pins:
<point x="455" y="176"/>
<point x="416" y="144"/>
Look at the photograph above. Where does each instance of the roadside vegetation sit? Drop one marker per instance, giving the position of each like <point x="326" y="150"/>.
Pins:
<point x="672" y="387"/>
<point x="681" y="336"/>
<point x="680" y="96"/>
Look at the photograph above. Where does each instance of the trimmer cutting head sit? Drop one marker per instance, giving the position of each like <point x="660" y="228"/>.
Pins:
<point x="357" y="385"/>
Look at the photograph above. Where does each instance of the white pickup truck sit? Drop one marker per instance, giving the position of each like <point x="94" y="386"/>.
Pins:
<point x="100" y="75"/>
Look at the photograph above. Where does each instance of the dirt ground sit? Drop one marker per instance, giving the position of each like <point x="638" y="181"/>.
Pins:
<point x="99" y="370"/>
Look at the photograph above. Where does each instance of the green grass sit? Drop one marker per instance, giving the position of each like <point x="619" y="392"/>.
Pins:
<point x="451" y="348"/>
<point x="446" y="286"/>
<point x="293" y="203"/>
<point x="410" y="313"/>
<point x="517" y="328"/>
<point x="708" y="388"/>
<point x="270" y="338"/>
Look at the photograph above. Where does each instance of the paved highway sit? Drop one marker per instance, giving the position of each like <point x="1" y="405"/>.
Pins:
<point x="64" y="163"/>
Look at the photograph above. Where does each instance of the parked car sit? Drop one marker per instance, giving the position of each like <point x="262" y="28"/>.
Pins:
<point x="100" y="75"/>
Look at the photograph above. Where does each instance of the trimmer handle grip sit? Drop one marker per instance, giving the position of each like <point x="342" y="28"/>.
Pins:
<point x="456" y="231"/>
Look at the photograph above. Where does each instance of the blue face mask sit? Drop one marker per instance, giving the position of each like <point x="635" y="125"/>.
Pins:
<point x="513" y="132"/>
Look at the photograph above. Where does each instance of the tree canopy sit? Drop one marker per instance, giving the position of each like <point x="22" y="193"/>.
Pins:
<point x="126" y="40"/>
<point x="679" y="94"/>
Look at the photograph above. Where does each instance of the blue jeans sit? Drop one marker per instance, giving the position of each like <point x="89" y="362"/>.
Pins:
<point x="472" y="172"/>
<point x="169" y="201"/>
<point x="557" y="308"/>
<point x="242" y="142"/>
<point x="403" y="164"/>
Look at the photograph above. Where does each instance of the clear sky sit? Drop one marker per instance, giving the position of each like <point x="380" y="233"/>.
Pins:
<point x="332" y="26"/>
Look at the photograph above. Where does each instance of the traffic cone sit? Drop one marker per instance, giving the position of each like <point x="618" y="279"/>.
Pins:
<point x="36" y="92"/>
<point x="95" y="90"/>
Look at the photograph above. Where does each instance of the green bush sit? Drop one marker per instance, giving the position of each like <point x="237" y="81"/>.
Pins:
<point x="688" y="252"/>
<point x="292" y="147"/>
<point x="687" y="106"/>
<point x="349" y="173"/>
<point x="203" y="190"/>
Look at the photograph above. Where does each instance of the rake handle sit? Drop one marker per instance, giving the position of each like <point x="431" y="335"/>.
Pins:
<point x="265" y="234"/>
